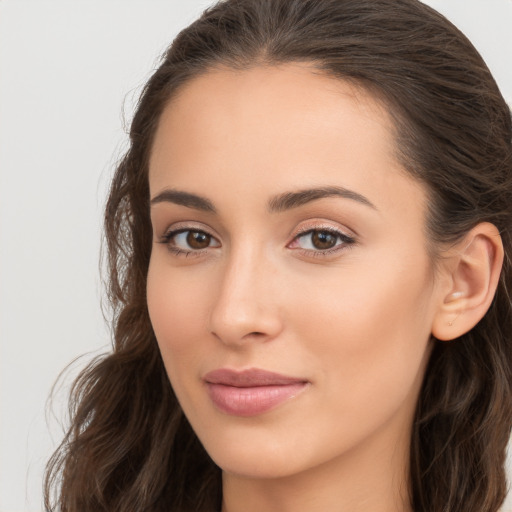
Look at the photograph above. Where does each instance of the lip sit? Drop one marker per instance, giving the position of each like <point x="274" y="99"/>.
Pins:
<point x="251" y="392"/>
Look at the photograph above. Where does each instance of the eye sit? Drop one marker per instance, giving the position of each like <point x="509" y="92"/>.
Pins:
<point x="192" y="240"/>
<point x="321" y="240"/>
<point x="186" y="241"/>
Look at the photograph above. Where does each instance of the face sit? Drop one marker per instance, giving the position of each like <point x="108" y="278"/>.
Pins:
<point x="289" y="287"/>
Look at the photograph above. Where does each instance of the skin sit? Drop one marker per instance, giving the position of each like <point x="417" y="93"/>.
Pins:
<point x="355" y="322"/>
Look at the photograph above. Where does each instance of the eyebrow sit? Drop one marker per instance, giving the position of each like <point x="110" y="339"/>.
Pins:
<point x="279" y="203"/>
<point x="290" y="200"/>
<point x="184" y="199"/>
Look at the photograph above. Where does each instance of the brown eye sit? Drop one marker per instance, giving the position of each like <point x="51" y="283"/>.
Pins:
<point x="188" y="241"/>
<point x="198" y="239"/>
<point x="323" y="240"/>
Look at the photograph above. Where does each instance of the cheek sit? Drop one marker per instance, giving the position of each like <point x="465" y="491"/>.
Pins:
<point x="369" y="332"/>
<point x="177" y="303"/>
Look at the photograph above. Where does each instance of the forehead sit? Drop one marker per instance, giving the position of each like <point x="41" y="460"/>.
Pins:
<point x="296" y="96"/>
<point x="272" y="128"/>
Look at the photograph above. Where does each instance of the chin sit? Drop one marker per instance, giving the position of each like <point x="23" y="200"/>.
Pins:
<point x="256" y="461"/>
<point x="256" y="468"/>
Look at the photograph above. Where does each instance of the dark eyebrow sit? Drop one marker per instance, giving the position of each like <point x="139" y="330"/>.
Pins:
<point x="184" y="199"/>
<point x="290" y="200"/>
<point x="282" y="202"/>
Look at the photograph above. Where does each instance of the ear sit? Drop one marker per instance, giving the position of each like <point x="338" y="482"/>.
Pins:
<point x="471" y="270"/>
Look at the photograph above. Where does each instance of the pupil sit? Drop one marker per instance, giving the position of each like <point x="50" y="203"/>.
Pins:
<point x="323" y="240"/>
<point x="198" y="240"/>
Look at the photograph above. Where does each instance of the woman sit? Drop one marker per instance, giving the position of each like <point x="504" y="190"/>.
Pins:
<point x="310" y="239"/>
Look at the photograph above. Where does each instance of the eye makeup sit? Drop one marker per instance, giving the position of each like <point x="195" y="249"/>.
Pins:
<point x="317" y="240"/>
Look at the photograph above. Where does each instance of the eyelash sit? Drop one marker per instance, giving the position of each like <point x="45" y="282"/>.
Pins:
<point x="345" y="240"/>
<point x="167" y="239"/>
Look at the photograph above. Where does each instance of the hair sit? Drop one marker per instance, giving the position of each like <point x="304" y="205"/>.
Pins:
<point x="129" y="446"/>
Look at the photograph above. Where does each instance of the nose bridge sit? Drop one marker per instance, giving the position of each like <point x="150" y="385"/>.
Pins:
<point x="244" y="307"/>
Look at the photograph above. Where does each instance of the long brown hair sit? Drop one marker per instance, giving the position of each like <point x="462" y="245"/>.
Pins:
<point x="129" y="447"/>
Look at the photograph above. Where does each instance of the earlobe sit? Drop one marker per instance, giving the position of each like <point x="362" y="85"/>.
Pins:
<point x="473" y="267"/>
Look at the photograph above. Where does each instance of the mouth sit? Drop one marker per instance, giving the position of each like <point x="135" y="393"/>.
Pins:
<point x="251" y="392"/>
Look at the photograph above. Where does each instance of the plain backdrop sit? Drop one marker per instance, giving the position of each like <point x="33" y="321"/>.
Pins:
<point x="70" y="72"/>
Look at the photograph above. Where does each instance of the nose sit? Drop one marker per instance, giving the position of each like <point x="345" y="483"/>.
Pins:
<point x="246" y="308"/>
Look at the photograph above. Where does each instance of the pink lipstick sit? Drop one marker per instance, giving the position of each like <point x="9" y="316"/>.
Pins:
<point x="250" y="392"/>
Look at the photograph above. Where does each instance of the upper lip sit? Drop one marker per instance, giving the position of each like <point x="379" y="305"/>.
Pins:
<point x="249" y="378"/>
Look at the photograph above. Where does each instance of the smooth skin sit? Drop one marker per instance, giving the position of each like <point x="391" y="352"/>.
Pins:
<point x="335" y="287"/>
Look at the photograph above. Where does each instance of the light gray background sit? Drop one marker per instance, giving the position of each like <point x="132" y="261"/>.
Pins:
<point x="66" y="70"/>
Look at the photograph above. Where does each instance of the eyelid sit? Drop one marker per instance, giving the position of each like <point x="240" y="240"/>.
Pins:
<point x="175" y="232"/>
<point x="323" y="225"/>
<point x="182" y="226"/>
<point x="177" y="228"/>
<point x="347" y="239"/>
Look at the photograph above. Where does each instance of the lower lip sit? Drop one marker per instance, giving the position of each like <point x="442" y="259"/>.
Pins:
<point x="251" y="401"/>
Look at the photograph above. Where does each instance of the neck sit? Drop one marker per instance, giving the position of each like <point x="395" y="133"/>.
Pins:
<point x="369" y="479"/>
